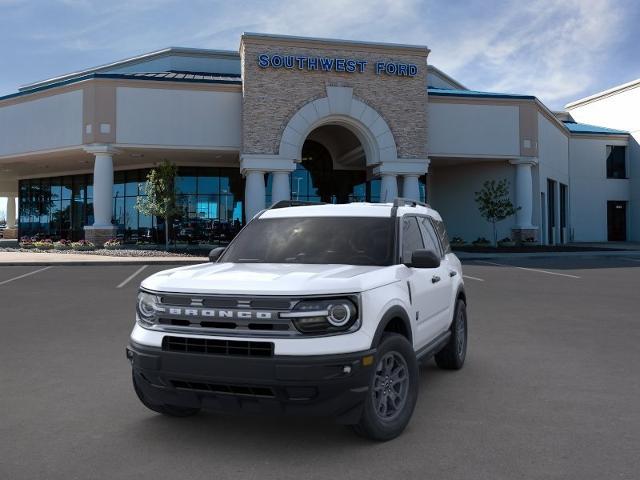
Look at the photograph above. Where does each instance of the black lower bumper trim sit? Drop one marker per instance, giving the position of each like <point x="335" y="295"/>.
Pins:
<point x="326" y="385"/>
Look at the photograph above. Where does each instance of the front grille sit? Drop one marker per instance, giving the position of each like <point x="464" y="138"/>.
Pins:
<point x="217" y="347"/>
<point x="245" y="390"/>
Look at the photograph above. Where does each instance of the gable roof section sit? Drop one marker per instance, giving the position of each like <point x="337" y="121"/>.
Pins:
<point x="585" y="128"/>
<point x="145" y="57"/>
<point x="605" y="93"/>
<point x="445" y="92"/>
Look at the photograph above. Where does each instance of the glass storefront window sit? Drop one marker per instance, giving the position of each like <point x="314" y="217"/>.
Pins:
<point x="211" y="200"/>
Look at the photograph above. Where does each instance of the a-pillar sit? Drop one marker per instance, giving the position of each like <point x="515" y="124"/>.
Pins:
<point x="102" y="228"/>
<point x="524" y="228"/>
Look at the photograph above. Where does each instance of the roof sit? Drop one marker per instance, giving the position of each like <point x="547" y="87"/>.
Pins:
<point x="134" y="60"/>
<point x="445" y="76"/>
<point x="584" y="128"/>
<point x="172" y="76"/>
<point x="356" y="209"/>
<point x="450" y="92"/>
<point x="604" y="93"/>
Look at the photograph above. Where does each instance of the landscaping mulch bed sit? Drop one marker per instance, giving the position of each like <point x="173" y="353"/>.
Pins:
<point x="530" y="249"/>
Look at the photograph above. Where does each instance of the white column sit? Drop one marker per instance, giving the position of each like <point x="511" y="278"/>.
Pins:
<point x="524" y="192"/>
<point x="388" y="187"/>
<point x="254" y="193"/>
<point x="103" y="189"/>
<point x="11" y="212"/>
<point x="280" y="189"/>
<point x="411" y="187"/>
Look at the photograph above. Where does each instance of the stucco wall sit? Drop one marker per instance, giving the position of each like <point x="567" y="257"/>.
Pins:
<point x="271" y="96"/>
<point x="148" y="116"/>
<point x="42" y="124"/>
<point x="466" y="129"/>
<point x="452" y="193"/>
<point x="590" y="189"/>
<point x="620" y="111"/>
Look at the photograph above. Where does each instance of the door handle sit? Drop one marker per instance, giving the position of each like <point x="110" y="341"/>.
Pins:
<point x="435" y="279"/>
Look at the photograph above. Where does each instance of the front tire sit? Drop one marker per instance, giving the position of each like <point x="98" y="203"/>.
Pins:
<point x="452" y="356"/>
<point x="393" y="390"/>
<point x="169" y="410"/>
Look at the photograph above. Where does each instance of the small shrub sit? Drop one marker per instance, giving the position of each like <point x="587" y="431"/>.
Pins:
<point x="113" y="244"/>
<point x="506" y="242"/>
<point x="26" y="242"/>
<point x="62" y="245"/>
<point x="457" y="241"/>
<point x="83" y="246"/>
<point x="43" y="244"/>
<point x="481" y="241"/>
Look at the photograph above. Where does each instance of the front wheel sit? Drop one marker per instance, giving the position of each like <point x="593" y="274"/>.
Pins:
<point x="452" y="356"/>
<point x="393" y="390"/>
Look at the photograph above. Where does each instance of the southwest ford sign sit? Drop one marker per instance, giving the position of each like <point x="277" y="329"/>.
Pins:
<point x="341" y="65"/>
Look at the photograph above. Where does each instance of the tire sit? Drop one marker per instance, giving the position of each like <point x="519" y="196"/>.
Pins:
<point x="386" y="415"/>
<point x="452" y="356"/>
<point x="169" y="410"/>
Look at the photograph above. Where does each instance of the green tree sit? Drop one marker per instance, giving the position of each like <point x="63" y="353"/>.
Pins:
<point x="494" y="203"/>
<point x="160" y="195"/>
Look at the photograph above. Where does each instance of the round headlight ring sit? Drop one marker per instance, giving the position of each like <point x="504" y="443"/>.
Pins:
<point x="339" y="314"/>
<point x="146" y="305"/>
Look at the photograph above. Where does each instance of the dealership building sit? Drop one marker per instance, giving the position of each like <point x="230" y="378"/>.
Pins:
<point x="315" y="120"/>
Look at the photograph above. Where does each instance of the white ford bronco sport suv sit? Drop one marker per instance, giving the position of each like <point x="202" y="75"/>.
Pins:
<point x="312" y="309"/>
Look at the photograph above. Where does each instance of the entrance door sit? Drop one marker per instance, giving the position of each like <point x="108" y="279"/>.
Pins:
<point x="551" y="211"/>
<point x="617" y="221"/>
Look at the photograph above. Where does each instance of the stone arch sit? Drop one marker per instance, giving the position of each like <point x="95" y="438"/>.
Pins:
<point x="339" y="107"/>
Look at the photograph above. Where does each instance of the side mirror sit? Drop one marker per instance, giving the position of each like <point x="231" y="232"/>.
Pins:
<point x="215" y="254"/>
<point x="424" y="259"/>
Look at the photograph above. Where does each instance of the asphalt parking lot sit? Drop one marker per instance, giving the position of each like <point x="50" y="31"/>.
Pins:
<point x="551" y="388"/>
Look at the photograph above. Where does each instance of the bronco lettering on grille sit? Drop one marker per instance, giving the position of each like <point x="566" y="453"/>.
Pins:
<point x="214" y="313"/>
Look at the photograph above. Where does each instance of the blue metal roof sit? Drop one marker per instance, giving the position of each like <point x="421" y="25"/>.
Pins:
<point x="586" y="128"/>
<point x="450" y="92"/>
<point x="172" y="76"/>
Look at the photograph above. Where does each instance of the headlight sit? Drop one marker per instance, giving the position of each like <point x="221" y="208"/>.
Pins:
<point x="331" y="315"/>
<point x="146" y="308"/>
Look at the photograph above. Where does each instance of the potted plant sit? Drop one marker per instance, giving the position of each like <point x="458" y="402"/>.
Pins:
<point x="506" y="242"/>
<point x="62" y="244"/>
<point x="83" y="246"/>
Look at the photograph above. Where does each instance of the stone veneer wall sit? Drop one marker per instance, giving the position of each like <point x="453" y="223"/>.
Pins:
<point x="271" y="96"/>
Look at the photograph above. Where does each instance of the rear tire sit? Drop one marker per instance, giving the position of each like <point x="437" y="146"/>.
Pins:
<point x="169" y="410"/>
<point x="393" y="390"/>
<point x="452" y="356"/>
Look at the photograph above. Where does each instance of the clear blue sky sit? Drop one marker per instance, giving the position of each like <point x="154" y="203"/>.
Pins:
<point x="558" y="50"/>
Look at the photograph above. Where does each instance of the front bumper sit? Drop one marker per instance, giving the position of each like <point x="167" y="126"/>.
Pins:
<point x="319" y="385"/>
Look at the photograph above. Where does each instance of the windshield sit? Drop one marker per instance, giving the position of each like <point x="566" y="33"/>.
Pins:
<point x="343" y="240"/>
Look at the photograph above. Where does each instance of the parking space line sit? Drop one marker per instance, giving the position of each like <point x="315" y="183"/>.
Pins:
<point x="473" y="278"/>
<point x="528" y="269"/>
<point x="132" y="276"/>
<point x="25" y="275"/>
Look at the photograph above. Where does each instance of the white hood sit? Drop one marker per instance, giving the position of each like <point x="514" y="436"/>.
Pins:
<point x="270" y="279"/>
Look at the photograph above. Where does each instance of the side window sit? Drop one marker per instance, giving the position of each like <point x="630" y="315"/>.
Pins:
<point x="430" y="237"/>
<point x="411" y="238"/>
<point x="442" y="234"/>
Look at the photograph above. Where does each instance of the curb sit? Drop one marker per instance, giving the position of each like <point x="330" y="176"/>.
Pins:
<point x="551" y="255"/>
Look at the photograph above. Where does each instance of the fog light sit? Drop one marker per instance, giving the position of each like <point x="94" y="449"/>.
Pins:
<point x="368" y="360"/>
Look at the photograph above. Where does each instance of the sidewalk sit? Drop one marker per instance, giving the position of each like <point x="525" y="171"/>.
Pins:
<point x="37" y="259"/>
<point x="532" y="255"/>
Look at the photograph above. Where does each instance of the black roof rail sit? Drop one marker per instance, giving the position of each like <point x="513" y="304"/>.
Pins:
<point x="293" y="203"/>
<point x="404" y="202"/>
